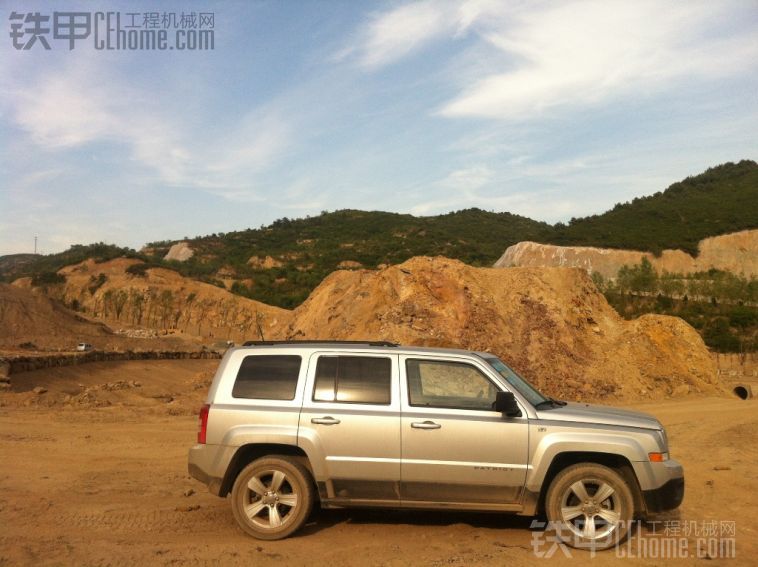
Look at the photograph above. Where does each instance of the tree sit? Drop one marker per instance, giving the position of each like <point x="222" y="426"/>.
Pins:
<point x="645" y="277"/>
<point x="598" y="280"/>
<point x="671" y="285"/>
<point x="107" y="302"/>
<point x="136" y="305"/>
<point x="119" y="301"/>
<point x="165" y="304"/>
<point x="202" y="309"/>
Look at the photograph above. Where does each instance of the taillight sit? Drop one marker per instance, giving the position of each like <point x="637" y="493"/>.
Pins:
<point x="202" y="423"/>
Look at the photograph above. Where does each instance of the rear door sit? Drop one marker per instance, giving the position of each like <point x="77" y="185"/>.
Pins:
<point x="456" y="449"/>
<point x="351" y="416"/>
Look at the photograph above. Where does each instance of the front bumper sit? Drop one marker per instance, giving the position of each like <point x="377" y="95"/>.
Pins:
<point x="662" y="484"/>
<point x="666" y="497"/>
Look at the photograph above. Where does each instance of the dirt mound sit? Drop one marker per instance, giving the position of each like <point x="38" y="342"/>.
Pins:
<point x="736" y="252"/>
<point x="551" y="324"/>
<point x="30" y="317"/>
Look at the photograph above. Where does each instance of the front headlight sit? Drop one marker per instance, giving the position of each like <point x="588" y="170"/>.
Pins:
<point x="664" y="439"/>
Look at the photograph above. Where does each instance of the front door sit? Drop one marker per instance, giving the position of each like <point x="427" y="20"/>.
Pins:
<point x="455" y="447"/>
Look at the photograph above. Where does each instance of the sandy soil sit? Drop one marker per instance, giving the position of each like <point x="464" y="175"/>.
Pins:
<point x="100" y="479"/>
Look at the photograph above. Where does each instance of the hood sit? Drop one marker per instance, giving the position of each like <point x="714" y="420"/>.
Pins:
<point x="588" y="413"/>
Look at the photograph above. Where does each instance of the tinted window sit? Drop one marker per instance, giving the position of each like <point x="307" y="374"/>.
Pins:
<point x="267" y="378"/>
<point x="353" y="379"/>
<point x="448" y="385"/>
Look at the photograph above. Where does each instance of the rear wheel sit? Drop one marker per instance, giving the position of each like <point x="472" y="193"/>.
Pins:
<point x="272" y="497"/>
<point x="590" y="506"/>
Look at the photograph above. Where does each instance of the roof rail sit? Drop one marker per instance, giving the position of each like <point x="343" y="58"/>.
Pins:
<point x="319" y="342"/>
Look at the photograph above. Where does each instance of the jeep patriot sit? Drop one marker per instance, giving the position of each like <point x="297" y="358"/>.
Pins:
<point x="373" y="424"/>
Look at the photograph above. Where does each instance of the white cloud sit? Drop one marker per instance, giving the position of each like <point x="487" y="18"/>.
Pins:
<point x="89" y="105"/>
<point x="391" y="35"/>
<point x="587" y="52"/>
<point x="529" y="58"/>
<point x="468" y="179"/>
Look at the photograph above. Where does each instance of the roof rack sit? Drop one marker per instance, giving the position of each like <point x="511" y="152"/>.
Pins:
<point x="320" y="342"/>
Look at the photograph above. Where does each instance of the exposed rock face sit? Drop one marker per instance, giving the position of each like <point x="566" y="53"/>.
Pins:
<point x="736" y="252"/>
<point x="265" y="263"/>
<point x="181" y="252"/>
<point x="349" y="265"/>
<point x="164" y="299"/>
<point x="551" y="324"/>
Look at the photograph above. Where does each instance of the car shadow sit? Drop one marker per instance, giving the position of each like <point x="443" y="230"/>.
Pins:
<point x="322" y="519"/>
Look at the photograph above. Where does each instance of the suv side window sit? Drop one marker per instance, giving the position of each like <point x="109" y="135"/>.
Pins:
<point x="353" y="379"/>
<point x="453" y="385"/>
<point x="267" y="377"/>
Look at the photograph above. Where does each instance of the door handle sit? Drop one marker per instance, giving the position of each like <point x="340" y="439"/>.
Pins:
<point x="425" y="425"/>
<point x="328" y="420"/>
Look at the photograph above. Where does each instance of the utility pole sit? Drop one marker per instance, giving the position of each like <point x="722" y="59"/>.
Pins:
<point x="35" y="243"/>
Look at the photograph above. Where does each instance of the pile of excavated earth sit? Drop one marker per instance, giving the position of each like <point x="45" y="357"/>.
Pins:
<point x="550" y="324"/>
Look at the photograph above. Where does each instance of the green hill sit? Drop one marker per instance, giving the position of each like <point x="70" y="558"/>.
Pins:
<point x="309" y="249"/>
<point x="723" y="199"/>
<point x="303" y="251"/>
<point x="15" y="263"/>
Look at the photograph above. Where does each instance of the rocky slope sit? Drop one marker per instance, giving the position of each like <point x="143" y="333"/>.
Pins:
<point x="30" y="317"/>
<point x="736" y="252"/>
<point x="162" y="299"/>
<point x="181" y="252"/>
<point x="31" y="323"/>
<point x="551" y="324"/>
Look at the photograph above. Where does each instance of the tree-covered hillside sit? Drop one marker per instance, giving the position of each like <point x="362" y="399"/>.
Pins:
<point x="304" y="251"/>
<point x="723" y="199"/>
<point x="19" y="265"/>
<point x="291" y="256"/>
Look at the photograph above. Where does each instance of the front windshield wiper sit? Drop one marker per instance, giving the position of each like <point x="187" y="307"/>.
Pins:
<point x="550" y="403"/>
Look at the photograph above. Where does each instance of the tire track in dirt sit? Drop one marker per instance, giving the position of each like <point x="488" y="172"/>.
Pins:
<point x="186" y="519"/>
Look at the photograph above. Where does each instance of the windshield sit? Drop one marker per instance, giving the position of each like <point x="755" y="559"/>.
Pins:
<point x="524" y="388"/>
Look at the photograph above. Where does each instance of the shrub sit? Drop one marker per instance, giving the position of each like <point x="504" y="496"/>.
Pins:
<point x="48" y="278"/>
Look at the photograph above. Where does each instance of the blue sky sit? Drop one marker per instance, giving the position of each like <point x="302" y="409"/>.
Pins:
<point x="546" y="109"/>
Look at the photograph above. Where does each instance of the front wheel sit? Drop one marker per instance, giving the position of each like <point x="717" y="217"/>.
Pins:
<point x="590" y="506"/>
<point x="272" y="497"/>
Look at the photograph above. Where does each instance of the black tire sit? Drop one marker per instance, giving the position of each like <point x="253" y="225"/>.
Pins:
<point x="266" y="511"/>
<point x="579" y="518"/>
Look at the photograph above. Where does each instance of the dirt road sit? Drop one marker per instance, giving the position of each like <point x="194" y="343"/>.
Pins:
<point x="94" y="473"/>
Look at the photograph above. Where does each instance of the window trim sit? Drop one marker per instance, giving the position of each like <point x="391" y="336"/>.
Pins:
<point x="408" y="359"/>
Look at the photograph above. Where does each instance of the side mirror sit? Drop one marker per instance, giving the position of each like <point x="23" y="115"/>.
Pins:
<point x="505" y="402"/>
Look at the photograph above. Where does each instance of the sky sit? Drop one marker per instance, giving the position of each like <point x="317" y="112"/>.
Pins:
<point x="550" y="110"/>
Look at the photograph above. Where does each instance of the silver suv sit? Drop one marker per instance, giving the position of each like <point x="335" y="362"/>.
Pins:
<point x="287" y="424"/>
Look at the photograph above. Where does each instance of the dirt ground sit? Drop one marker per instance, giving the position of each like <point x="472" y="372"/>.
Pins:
<point x="94" y="473"/>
